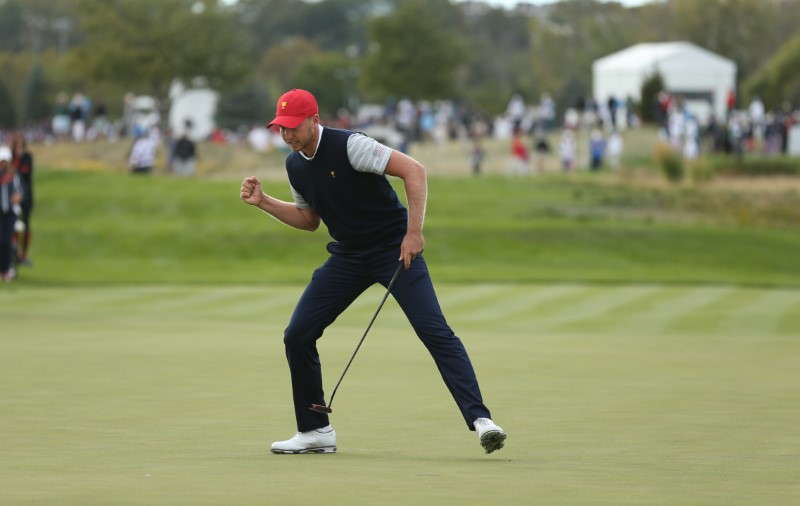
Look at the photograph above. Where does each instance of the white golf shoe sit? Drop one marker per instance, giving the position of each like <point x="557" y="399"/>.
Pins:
<point x="491" y="436"/>
<point x="313" y="441"/>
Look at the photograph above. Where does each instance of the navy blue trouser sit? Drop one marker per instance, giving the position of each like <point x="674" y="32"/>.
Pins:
<point x="333" y="287"/>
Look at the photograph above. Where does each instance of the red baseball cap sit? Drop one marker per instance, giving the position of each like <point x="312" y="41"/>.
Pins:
<point x="293" y="107"/>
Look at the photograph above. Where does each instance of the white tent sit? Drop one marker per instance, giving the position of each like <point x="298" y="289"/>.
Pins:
<point x="702" y="78"/>
<point x="197" y="104"/>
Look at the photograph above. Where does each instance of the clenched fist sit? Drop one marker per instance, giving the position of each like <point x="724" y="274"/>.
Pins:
<point x="251" y="193"/>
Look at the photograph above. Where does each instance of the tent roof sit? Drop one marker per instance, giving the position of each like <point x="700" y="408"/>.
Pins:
<point x="642" y="57"/>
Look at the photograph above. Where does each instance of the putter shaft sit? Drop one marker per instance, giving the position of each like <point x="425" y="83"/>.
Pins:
<point x="327" y="409"/>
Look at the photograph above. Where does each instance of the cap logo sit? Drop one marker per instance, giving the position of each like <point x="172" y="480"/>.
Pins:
<point x="283" y="105"/>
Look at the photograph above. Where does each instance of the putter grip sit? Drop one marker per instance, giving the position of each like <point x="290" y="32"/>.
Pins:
<point x="395" y="276"/>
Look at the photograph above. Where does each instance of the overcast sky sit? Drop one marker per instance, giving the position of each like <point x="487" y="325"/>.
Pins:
<point x="511" y="3"/>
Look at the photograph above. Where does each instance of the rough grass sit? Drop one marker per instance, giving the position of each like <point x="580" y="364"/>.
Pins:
<point x="100" y="227"/>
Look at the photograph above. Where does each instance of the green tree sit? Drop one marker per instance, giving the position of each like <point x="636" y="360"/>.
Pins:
<point x="35" y="103"/>
<point x="279" y="63"/>
<point x="245" y="106"/>
<point x="778" y="80"/>
<point x="415" y="52"/>
<point x="331" y="77"/>
<point x="578" y="33"/>
<point x="486" y="79"/>
<point x="651" y="87"/>
<point x="332" y="24"/>
<point x="38" y="25"/>
<point x="8" y="116"/>
<point x="746" y="31"/>
<point x="11" y="26"/>
<point x="146" y="44"/>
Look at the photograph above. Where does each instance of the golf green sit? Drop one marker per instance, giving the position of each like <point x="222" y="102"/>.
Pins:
<point x="623" y="394"/>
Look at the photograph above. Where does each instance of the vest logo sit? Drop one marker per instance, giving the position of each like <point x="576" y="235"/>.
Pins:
<point x="283" y="105"/>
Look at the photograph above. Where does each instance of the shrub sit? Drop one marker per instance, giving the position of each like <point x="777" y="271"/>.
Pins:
<point x="670" y="161"/>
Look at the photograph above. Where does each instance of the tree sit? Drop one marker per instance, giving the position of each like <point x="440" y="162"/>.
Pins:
<point x="11" y="26"/>
<point x="778" y="79"/>
<point x="487" y="79"/>
<point x="578" y="33"/>
<point x="332" y="79"/>
<point x="332" y="24"/>
<point x="245" y="106"/>
<point x="746" y="31"/>
<point x="8" y="117"/>
<point x="651" y="87"/>
<point x="415" y="54"/>
<point x="35" y="104"/>
<point x="146" y="44"/>
<point x="279" y="63"/>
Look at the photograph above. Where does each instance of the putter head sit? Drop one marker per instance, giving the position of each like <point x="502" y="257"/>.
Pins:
<point x="321" y="409"/>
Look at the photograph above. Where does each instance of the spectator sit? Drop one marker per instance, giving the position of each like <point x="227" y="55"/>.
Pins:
<point x="730" y="102"/>
<point x="757" y="120"/>
<point x="259" y="138"/>
<point x="613" y="105"/>
<point x="519" y="154"/>
<point x="142" y="157"/>
<point x="691" y="144"/>
<point x="78" y="110"/>
<point x="22" y="161"/>
<point x="516" y="111"/>
<point x="597" y="147"/>
<point x="10" y="200"/>
<point x="542" y="148"/>
<point x="477" y="155"/>
<point x="61" y="117"/>
<point x="548" y="111"/>
<point x="630" y="112"/>
<point x="614" y="149"/>
<point x="567" y="149"/>
<point x="100" y="122"/>
<point x="184" y="154"/>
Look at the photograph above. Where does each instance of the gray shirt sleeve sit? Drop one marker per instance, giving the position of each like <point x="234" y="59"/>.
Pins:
<point x="366" y="154"/>
<point x="299" y="201"/>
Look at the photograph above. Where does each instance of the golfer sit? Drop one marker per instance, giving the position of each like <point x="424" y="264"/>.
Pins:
<point x="339" y="177"/>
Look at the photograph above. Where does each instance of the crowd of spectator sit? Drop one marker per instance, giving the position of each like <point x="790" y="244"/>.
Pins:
<point x="535" y="130"/>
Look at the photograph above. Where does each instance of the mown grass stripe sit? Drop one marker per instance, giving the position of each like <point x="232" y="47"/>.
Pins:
<point x="519" y="300"/>
<point x="623" y="318"/>
<point x="761" y="312"/>
<point x="789" y="322"/>
<point x="559" y="299"/>
<point x="602" y="310"/>
<point x="673" y="304"/>
<point x="711" y="315"/>
<point x="459" y="299"/>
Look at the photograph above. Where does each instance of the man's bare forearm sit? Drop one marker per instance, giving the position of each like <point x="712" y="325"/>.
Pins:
<point x="289" y="213"/>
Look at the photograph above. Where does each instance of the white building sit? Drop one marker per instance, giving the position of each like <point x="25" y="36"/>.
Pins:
<point x="702" y="78"/>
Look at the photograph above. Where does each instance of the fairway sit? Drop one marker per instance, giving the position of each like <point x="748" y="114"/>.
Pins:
<point x="623" y="394"/>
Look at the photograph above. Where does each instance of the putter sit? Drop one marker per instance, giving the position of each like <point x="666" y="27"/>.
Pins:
<point x="319" y="408"/>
